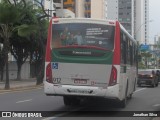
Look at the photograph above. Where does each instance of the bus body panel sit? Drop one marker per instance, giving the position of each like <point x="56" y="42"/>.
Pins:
<point x="128" y="78"/>
<point x="113" y="92"/>
<point x="86" y="70"/>
<point x="81" y="74"/>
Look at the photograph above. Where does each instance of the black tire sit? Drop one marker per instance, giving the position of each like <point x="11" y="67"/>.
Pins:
<point x="75" y="101"/>
<point x="67" y="100"/>
<point x="153" y="85"/>
<point x="135" y="85"/>
<point x="130" y="96"/>
<point x="71" y="101"/>
<point x="123" y="103"/>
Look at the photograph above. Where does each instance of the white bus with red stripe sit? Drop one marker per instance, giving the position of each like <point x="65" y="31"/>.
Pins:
<point x="88" y="58"/>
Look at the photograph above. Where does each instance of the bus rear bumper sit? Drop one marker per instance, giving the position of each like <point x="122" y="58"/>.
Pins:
<point x="90" y="91"/>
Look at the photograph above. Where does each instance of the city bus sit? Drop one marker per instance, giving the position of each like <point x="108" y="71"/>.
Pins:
<point x="88" y="58"/>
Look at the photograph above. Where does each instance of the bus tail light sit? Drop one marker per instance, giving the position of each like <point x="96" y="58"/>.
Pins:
<point x="113" y="77"/>
<point x="49" y="73"/>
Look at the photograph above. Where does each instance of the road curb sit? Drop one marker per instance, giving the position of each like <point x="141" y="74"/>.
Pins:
<point x="156" y="118"/>
<point x="20" y="88"/>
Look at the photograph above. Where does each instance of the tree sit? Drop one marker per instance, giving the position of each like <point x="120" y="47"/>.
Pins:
<point x="8" y="17"/>
<point x="20" y="42"/>
<point x="39" y="53"/>
<point x="146" y="56"/>
<point x="20" y="51"/>
<point x="22" y="20"/>
<point x="1" y="59"/>
<point x="40" y="39"/>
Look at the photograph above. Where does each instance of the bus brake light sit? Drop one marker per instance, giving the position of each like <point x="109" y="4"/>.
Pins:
<point x="49" y="73"/>
<point x="113" y="77"/>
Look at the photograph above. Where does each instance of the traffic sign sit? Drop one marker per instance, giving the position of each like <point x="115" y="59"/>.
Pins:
<point x="144" y="47"/>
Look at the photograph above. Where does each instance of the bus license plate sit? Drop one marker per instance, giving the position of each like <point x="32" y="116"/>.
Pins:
<point x="80" y="81"/>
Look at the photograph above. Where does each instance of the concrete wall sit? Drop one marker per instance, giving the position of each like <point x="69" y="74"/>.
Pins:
<point x="25" y="72"/>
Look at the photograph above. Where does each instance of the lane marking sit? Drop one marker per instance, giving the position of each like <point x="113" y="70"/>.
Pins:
<point x="140" y="90"/>
<point x="24" y="101"/>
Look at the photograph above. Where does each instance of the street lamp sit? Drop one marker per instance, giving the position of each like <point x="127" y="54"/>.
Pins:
<point x="141" y="26"/>
<point x="136" y="36"/>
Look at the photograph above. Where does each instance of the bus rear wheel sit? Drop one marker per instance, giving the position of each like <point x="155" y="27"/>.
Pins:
<point x="71" y="101"/>
<point x="67" y="100"/>
<point x="123" y="103"/>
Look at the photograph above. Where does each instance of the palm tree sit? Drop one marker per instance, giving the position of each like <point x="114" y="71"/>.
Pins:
<point x="8" y="17"/>
<point x="146" y="55"/>
<point x="16" y="17"/>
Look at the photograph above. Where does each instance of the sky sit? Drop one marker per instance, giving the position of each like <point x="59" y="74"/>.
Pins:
<point x="154" y="14"/>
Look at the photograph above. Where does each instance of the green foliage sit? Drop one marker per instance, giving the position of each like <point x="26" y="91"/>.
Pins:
<point x="9" y="15"/>
<point x="141" y="65"/>
<point x="26" y="30"/>
<point x="139" y="58"/>
<point x="146" y="54"/>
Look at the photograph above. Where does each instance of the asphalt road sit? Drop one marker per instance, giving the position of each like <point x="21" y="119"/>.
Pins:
<point x="144" y="99"/>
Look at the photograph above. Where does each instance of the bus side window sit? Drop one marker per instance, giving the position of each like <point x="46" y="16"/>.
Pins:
<point x="134" y="54"/>
<point x="128" y="51"/>
<point x="123" y="52"/>
<point x="124" y="49"/>
<point x="131" y="53"/>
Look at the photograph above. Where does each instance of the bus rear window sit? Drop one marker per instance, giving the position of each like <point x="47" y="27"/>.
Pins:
<point x="83" y="34"/>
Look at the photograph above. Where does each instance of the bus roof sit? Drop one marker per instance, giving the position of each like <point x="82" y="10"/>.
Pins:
<point x="85" y="20"/>
<point x="126" y="32"/>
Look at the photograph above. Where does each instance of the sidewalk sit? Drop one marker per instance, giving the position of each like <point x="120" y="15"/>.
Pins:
<point x="156" y="118"/>
<point x="18" y="85"/>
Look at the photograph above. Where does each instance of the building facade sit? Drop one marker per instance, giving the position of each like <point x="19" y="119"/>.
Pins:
<point x="112" y="9"/>
<point x="123" y="11"/>
<point x="142" y="21"/>
<point x="70" y="5"/>
<point x="126" y="14"/>
<point x="133" y="15"/>
<point x="81" y="8"/>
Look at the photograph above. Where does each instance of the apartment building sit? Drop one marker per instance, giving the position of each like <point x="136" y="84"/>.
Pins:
<point x="126" y="14"/>
<point x="133" y="15"/>
<point x="70" y="5"/>
<point x="142" y="21"/>
<point x="81" y="8"/>
<point x="123" y="11"/>
<point x="98" y="9"/>
<point x="112" y="9"/>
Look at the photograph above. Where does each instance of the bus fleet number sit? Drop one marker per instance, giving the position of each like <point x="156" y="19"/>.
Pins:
<point x="57" y="80"/>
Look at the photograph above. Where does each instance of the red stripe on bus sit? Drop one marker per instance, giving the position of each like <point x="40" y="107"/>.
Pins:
<point x="116" y="57"/>
<point x="84" y="46"/>
<point x="48" y="46"/>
